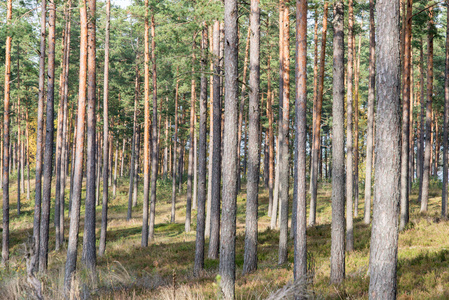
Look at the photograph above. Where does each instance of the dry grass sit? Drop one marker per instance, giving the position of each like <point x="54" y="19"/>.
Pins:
<point x="128" y="271"/>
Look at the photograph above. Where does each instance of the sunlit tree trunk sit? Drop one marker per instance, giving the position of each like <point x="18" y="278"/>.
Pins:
<point x="5" y="234"/>
<point x="445" y="127"/>
<point x="337" y="273"/>
<point x="48" y="154"/>
<point x="72" y="247"/>
<point x="384" y="232"/>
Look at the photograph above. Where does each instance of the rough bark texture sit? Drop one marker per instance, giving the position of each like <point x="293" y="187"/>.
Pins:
<point x="192" y="149"/>
<point x="337" y="274"/>
<point x="5" y="233"/>
<point x="154" y="145"/>
<point x="349" y="142"/>
<point x="445" y="129"/>
<point x="428" y="144"/>
<point x="371" y="95"/>
<point x="228" y="230"/>
<point x="89" y="257"/>
<point x="317" y="124"/>
<point x="201" y="212"/>
<point x="175" y="144"/>
<point x="72" y="247"/>
<point x="283" y="138"/>
<point x="384" y="232"/>
<point x="406" y="119"/>
<point x="146" y="133"/>
<point x="252" y="186"/>
<point x="214" y="241"/>
<point x="48" y="154"/>
<point x="300" y="258"/>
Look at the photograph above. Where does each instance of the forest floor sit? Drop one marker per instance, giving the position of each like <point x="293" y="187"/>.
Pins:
<point x="165" y="268"/>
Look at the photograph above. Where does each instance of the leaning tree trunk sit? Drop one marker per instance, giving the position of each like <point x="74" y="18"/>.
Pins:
<point x="337" y="273"/>
<point x="384" y="232"/>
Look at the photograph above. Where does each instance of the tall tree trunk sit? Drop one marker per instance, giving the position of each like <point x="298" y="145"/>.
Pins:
<point x="133" y="152"/>
<point x="370" y="129"/>
<point x="316" y="146"/>
<point x="406" y="119"/>
<point x="5" y="235"/>
<point x="211" y="133"/>
<point x="349" y="141"/>
<point x="114" y="184"/>
<point x="242" y="107"/>
<point x="228" y="230"/>
<point x="270" y="117"/>
<point x="445" y="126"/>
<point x="192" y="149"/>
<point x="422" y="128"/>
<point x="122" y="158"/>
<point x="356" y="128"/>
<point x="89" y="257"/>
<point x="201" y="213"/>
<point x="337" y="273"/>
<point x="252" y="186"/>
<point x="27" y="151"/>
<point x="216" y="169"/>
<point x="300" y="237"/>
<point x="154" y="145"/>
<point x="136" y="166"/>
<point x="283" y="137"/>
<point x="384" y="232"/>
<point x="70" y="265"/>
<point x="104" y="208"/>
<point x="19" y="160"/>
<point x="427" y="150"/>
<point x="146" y="134"/>
<point x="48" y="154"/>
<point x="175" y="143"/>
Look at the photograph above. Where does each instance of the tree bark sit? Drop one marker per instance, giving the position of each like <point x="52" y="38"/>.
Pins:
<point x="370" y="129"/>
<point x="356" y="129"/>
<point x="317" y="124"/>
<point x="384" y="232"/>
<point x="175" y="143"/>
<point x="70" y="265"/>
<point x="283" y="137"/>
<point x="5" y="234"/>
<point x="155" y="151"/>
<point x="428" y="145"/>
<point x="252" y="186"/>
<point x="337" y="273"/>
<point x="445" y="127"/>
<point x="146" y="134"/>
<point x="349" y="140"/>
<point x="406" y="119"/>
<point x="104" y="208"/>
<point x="192" y="149"/>
<point x="300" y="237"/>
<point x="89" y="257"/>
<point x="229" y="194"/>
<point x="48" y="154"/>
<point x="201" y="212"/>
<point x="215" y="171"/>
